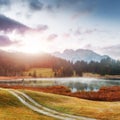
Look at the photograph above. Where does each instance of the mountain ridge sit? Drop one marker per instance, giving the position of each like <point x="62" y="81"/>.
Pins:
<point x="79" y="55"/>
<point x="68" y="54"/>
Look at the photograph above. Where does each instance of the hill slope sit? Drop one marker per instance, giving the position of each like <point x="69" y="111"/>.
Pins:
<point x="12" y="109"/>
<point x="76" y="106"/>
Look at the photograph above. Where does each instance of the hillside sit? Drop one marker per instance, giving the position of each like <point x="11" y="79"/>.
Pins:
<point x="12" y="109"/>
<point x="79" y="55"/>
<point x="15" y="63"/>
<point x="76" y="106"/>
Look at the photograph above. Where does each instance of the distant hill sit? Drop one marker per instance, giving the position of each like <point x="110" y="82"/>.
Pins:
<point x="15" y="63"/>
<point x="79" y="55"/>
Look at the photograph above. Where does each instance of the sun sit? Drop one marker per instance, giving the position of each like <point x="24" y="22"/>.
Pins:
<point x="36" y="46"/>
<point x="33" y="47"/>
<point x="34" y="43"/>
<point x="29" y="43"/>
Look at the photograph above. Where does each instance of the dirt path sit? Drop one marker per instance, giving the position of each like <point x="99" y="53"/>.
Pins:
<point x="33" y="105"/>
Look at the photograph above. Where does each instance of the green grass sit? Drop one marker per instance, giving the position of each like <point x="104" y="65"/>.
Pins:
<point x="40" y="72"/>
<point x="76" y="106"/>
<point x="12" y="109"/>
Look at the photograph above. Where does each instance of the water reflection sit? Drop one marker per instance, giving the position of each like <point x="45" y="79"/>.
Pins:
<point x="75" y="84"/>
<point x="87" y="84"/>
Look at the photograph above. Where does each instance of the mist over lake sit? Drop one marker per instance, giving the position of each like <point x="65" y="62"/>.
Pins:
<point x="75" y="84"/>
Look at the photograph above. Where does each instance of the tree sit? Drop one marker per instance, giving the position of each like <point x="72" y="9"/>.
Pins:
<point x="34" y="73"/>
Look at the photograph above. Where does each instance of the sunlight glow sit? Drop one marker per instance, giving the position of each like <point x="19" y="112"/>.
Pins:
<point x="29" y="43"/>
<point x="32" y="47"/>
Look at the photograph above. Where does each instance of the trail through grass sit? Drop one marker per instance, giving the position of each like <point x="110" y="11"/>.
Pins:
<point x="76" y="106"/>
<point x="12" y="109"/>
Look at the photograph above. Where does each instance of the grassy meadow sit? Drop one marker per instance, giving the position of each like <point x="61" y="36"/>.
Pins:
<point x="12" y="109"/>
<point x="40" y="72"/>
<point x="76" y="106"/>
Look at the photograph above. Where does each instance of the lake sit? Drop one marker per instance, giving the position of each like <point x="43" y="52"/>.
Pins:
<point x="75" y="84"/>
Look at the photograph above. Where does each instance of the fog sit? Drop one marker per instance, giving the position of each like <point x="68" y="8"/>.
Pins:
<point x="75" y="84"/>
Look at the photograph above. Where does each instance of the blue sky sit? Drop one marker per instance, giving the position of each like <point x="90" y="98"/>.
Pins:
<point x="56" y="25"/>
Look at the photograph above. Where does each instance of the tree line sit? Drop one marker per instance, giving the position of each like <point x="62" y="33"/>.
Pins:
<point x="15" y="64"/>
<point x="104" y="67"/>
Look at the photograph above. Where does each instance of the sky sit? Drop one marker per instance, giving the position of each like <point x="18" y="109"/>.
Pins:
<point x="55" y="25"/>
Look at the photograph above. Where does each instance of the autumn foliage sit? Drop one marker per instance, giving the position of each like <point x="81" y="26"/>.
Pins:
<point x="104" y="94"/>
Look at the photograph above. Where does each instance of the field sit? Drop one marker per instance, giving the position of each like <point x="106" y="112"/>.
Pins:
<point x="40" y="72"/>
<point x="109" y="77"/>
<point x="12" y="109"/>
<point x="76" y="106"/>
<point x="104" y="94"/>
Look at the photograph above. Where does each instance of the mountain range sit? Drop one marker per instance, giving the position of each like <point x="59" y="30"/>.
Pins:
<point x="79" y="55"/>
<point x="68" y="54"/>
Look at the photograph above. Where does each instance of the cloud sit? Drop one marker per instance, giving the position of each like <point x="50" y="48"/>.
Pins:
<point x="88" y="46"/>
<point x="5" y="5"/>
<point x="76" y="5"/>
<point x="9" y="25"/>
<point x="41" y="28"/>
<point x="113" y="50"/>
<point x="66" y="35"/>
<point x="78" y="32"/>
<point x="80" y="7"/>
<point x="49" y="7"/>
<point x="35" y="4"/>
<point x="5" y="41"/>
<point x="5" y="2"/>
<point x="61" y="3"/>
<point x="90" y="31"/>
<point x="81" y="13"/>
<point x="52" y="37"/>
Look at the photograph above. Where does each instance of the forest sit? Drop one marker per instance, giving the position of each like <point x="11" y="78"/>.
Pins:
<point x="14" y="64"/>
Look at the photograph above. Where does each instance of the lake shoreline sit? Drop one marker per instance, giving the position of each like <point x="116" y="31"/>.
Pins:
<point x="106" y="77"/>
<point x="109" y="94"/>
